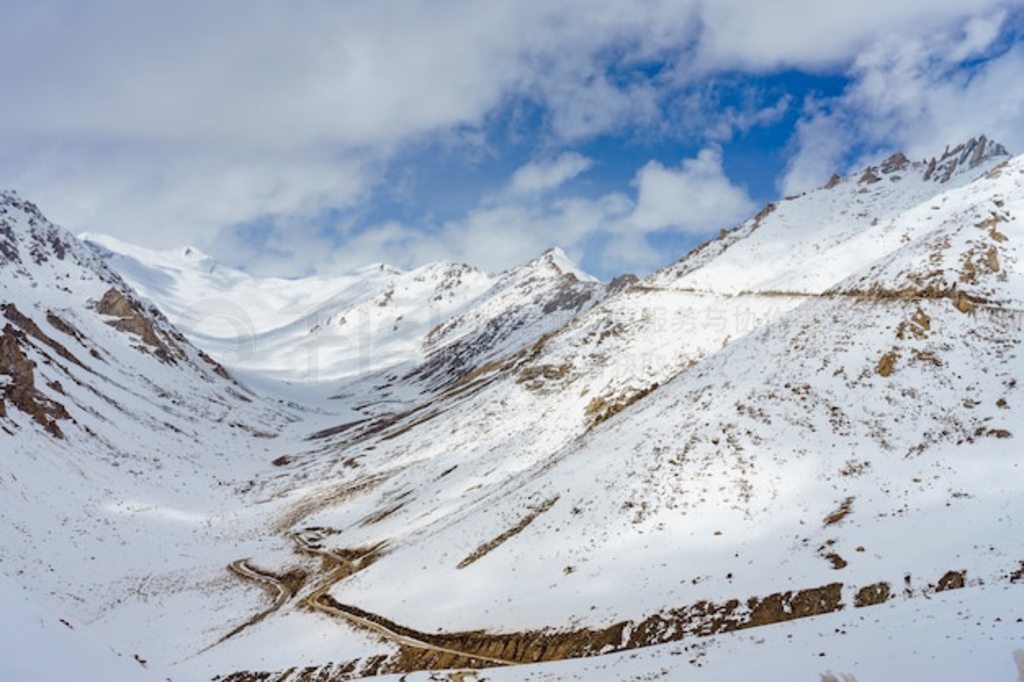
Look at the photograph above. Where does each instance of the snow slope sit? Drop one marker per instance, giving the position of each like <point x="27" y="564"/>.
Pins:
<point x="857" y="431"/>
<point x="49" y="650"/>
<point x="791" y="451"/>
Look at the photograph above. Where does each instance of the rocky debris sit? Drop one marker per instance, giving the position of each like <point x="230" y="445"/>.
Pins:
<point x="920" y="290"/>
<point x="837" y="562"/>
<point x="963" y="303"/>
<point x="8" y="244"/>
<point x="218" y="368"/>
<point x="64" y="327"/>
<point x="833" y="182"/>
<point x="535" y="378"/>
<point x="844" y="509"/>
<point x="918" y="326"/>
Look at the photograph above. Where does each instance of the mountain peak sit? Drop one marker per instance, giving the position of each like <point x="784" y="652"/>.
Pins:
<point x="559" y="261"/>
<point x="963" y="157"/>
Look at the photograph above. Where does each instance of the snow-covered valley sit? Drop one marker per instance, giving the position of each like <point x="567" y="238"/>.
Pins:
<point x="792" y="454"/>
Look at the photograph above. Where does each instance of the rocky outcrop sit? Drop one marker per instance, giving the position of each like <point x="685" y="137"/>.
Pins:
<point x="967" y="155"/>
<point x="20" y="387"/>
<point x="132" y="318"/>
<point x="833" y="182"/>
<point x="622" y="282"/>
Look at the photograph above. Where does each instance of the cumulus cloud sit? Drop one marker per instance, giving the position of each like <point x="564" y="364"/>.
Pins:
<point x="695" y="198"/>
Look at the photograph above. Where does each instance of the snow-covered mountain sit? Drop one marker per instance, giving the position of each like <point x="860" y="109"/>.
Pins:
<point x="791" y="453"/>
<point x="377" y="318"/>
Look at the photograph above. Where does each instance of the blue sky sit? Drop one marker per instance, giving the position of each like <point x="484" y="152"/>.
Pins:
<point x="318" y="136"/>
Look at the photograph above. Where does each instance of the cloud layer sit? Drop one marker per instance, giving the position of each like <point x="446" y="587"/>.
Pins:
<point x="165" y="123"/>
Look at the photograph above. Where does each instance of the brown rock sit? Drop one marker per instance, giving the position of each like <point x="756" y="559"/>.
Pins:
<point x="879" y="593"/>
<point x="887" y="364"/>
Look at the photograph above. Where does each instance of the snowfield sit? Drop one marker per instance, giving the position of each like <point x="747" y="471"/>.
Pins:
<point x="790" y="455"/>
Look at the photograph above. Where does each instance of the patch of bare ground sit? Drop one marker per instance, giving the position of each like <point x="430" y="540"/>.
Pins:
<point x="844" y="509"/>
<point x="603" y="408"/>
<point x="854" y="468"/>
<point x="872" y="595"/>
<point x="887" y="364"/>
<point x="325" y="498"/>
<point x="536" y="377"/>
<point x="380" y="514"/>
<point x="489" y="546"/>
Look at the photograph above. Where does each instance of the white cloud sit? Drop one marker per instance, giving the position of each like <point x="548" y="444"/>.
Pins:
<point x="822" y="140"/>
<point x="695" y="198"/>
<point x="543" y="176"/>
<point x="162" y="122"/>
<point x="745" y="34"/>
<point x="911" y="95"/>
<point x="731" y="120"/>
<point x="979" y="34"/>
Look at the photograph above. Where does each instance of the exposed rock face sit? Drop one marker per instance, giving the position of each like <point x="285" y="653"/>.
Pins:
<point x="622" y="282"/>
<point x="869" y="177"/>
<point x="895" y="163"/>
<point x="20" y="389"/>
<point x="132" y="318"/>
<point x="28" y="326"/>
<point x="968" y="155"/>
<point x="569" y="296"/>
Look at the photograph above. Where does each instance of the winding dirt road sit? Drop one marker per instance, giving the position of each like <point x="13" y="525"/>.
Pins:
<point x="338" y="567"/>
<point x="345" y="567"/>
<point x="278" y="588"/>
